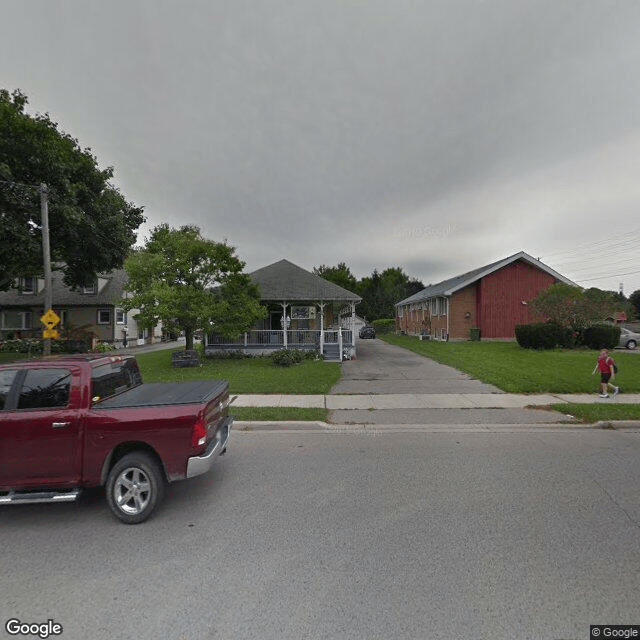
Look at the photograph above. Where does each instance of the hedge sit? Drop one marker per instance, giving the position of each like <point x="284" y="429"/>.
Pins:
<point x="601" y="336"/>
<point x="546" y="335"/>
<point x="384" y="325"/>
<point x="288" y="357"/>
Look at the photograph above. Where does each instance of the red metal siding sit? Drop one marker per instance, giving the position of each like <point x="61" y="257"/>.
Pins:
<point x="501" y="296"/>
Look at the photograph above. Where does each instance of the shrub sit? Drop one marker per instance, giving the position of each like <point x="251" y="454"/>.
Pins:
<point x="238" y="354"/>
<point x="103" y="347"/>
<point x="288" y="357"/>
<point x="547" y="335"/>
<point x="384" y="325"/>
<point x="34" y="346"/>
<point x="601" y="336"/>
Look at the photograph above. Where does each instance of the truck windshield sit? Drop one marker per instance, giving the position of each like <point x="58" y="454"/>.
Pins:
<point x="114" y="377"/>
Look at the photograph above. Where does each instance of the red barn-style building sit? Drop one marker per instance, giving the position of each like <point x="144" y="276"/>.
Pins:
<point x="492" y="299"/>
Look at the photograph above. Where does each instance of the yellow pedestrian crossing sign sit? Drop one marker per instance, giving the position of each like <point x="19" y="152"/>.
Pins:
<point x="50" y="319"/>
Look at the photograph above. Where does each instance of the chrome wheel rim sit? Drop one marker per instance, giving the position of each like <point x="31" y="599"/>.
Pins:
<point x="132" y="491"/>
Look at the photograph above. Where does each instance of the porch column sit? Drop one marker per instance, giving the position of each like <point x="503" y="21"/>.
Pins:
<point x="284" y="324"/>
<point x="353" y="325"/>
<point x="321" y="305"/>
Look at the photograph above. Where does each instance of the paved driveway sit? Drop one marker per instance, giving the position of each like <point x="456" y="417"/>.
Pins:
<point x="385" y="368"/>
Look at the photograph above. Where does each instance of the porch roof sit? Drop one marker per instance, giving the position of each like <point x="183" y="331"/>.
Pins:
<point x="285" y="281"/>
<point x="450" y="286"/>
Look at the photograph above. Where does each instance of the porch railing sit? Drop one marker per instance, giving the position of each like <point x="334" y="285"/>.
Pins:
<point x="296" y="338"/>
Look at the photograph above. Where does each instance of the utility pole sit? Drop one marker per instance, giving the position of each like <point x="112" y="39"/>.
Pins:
<point x="46" y="254"/>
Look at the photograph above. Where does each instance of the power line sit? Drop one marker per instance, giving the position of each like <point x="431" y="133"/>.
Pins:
<point x="580" y="247"/>
<point x="620" y="264"/>
<point x="613" y="275"/>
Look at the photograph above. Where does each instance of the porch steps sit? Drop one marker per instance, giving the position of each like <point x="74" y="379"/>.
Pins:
<point x="332" y="353"/>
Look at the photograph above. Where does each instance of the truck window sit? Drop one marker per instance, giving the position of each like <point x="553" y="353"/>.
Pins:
<point x="45" y="388"/>
<point x="6" y="380"/>
<point x="114" y="377"/>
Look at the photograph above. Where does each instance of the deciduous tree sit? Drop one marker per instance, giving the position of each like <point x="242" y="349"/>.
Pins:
<point x="571" y="306"/>
<point x="92" y="226"/>
<point x="634" y="299"/>
<point x="189" y="283"/>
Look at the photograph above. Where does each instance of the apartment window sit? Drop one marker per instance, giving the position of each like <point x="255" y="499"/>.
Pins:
<point x="104" y="316"/>
<point x="16" y="320"/>
<point x="121" y="316"/>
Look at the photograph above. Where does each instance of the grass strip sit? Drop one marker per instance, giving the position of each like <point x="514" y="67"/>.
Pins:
<point x="277" y="414"/>
<point x="590" y="413"/>
<point x="248" y="375"/>
<point x="516" y="370"/>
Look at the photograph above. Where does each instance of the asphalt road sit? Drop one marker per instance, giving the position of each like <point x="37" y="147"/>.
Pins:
<point x="347" y="536"/>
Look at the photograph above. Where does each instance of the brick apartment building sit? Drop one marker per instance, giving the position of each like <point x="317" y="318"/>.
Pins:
<point x="492" y="299"/>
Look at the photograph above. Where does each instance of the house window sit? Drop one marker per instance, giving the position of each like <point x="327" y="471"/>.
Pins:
<point x="142" y="334"/>
<point x="400" y="311"/>
<point x="63" y="314"/>
<point x="121" y="316"/>
<point x="16" y="320"/>
<point x="89" y="288"/>
<point x="104" y="316"/>
<point x="300" y="313"/>
<point x="28" y="285"/>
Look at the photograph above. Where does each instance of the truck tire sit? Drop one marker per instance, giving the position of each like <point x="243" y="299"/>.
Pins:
<point x="135" y="487"/>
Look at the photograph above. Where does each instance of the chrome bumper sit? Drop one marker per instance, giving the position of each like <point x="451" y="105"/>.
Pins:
<point x="201" y="464"/>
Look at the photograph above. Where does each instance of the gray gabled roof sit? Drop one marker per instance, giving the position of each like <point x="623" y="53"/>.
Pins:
<point x="284" y="281"/>
<point x="450" y="286"/>
<point x="110" y="294"/>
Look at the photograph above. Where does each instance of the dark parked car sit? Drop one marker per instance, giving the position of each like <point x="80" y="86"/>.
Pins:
<point x="367" y="332"/>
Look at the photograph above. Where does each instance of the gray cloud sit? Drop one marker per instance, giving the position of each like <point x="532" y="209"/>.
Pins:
<point x="357" y="132"/>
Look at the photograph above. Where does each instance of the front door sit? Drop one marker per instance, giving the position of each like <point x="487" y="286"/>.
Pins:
<point x="275" y="322"/>
<point x="40" y="430"/>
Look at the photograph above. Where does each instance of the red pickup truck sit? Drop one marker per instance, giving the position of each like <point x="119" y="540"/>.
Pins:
<point x="82" y="421"/>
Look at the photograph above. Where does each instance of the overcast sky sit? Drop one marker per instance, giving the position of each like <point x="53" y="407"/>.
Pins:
<point x="435" y="135"/>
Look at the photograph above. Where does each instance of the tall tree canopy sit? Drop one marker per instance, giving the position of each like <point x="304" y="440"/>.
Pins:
<point x="340" y="275"/>
<point x="379" y="291"/>
<point x="92" y="226"/>
<point x="634" y="299"/>
<point x="574" y="307"/>
<point x="189" y="283"/>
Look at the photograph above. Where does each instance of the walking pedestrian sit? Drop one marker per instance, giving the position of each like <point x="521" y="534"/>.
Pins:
<point x="607" y="368"/>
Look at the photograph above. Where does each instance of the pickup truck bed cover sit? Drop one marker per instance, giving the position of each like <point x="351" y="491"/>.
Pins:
<point x="158" y="394"/>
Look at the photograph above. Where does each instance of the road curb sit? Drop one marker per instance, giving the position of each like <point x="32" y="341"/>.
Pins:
<point x="379" y="429"/>
<point x="617" y="424"/>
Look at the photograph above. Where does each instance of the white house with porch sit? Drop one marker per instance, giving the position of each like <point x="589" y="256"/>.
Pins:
<point x="304" y="311"/>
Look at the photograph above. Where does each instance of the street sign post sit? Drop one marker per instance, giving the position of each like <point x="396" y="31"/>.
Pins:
<point x="50" y="319"/>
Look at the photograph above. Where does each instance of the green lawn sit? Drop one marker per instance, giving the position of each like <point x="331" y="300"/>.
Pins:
<point x="9" y="356"/>
<point x="605" y="410"/>
<point x="278" y="414"/>
<point x="251" y="375"/>
<point x="517" y="370"/>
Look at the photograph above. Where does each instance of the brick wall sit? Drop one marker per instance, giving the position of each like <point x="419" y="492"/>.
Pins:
<point x="463" y="309"/>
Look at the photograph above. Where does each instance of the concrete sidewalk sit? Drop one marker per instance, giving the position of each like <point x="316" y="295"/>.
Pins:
<point x="427" y="400"/>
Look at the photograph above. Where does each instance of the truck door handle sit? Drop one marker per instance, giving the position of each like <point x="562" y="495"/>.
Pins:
<point x="60" y="425"/>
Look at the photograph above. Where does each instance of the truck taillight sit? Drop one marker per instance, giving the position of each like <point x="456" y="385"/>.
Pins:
<point x="199" y="433"/>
